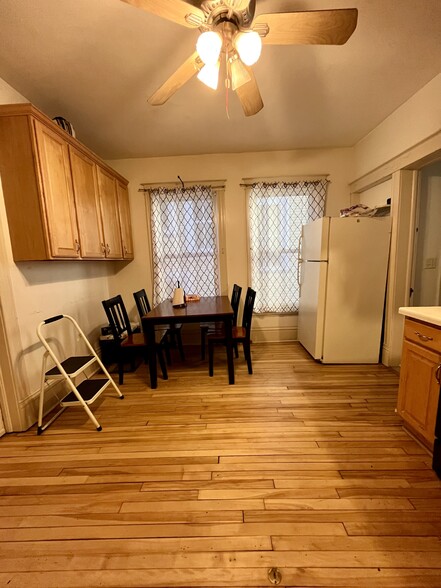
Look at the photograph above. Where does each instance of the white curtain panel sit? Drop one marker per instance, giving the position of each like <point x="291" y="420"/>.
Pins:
<point x="184" y="241"/>
<point x="277" y="212"/>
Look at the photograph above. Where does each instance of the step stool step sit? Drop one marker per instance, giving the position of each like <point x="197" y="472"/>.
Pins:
<point x="72" y="365"/>
<point x="89" y="391"/>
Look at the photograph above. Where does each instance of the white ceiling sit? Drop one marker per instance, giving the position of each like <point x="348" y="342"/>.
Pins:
<point x="95" y="62"/>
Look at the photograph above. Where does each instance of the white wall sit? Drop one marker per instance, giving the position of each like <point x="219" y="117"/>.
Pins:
<point x="232" y="168"/>
<point x="413" y="122"/>
<point x="33" y="291"/>
<point x="375" y="196"/>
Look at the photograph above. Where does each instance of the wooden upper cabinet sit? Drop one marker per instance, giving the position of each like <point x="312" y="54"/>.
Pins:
<point x="110" y="214"/>
<point x="124" y="217"/>
<point x="85" y="183"/>
<point x="62" y="201"/>
<point x="57" y="193"/>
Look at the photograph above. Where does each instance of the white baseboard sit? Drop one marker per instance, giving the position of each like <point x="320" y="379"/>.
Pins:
<point x="274" y="334"/>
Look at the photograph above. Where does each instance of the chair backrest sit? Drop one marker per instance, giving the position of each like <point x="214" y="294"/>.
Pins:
<point x="117" y="316"/>
<point x="142" y="303"/>
<point x="235" y="299"/>
<point x="248" y="310"/>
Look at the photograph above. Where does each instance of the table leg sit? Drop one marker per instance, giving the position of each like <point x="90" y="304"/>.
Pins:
<point x="229" y="346"/>
<point x="149" y="329"/>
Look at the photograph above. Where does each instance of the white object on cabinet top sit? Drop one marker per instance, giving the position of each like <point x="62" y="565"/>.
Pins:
<point x="428" y="314"/>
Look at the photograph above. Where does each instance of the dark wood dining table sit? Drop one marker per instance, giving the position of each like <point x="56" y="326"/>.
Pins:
<point x="207" y="309"/>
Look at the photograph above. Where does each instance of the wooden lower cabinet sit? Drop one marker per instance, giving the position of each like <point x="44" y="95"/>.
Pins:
<point x="419" y="389"/>
<point x="62" y="201"/>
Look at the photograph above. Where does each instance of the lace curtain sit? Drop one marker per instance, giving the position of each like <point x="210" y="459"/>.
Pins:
<point x="277" y="212"/>
<point x="184" y="240"/>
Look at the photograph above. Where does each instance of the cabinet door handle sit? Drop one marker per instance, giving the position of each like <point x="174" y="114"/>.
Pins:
<point x="423" y="337"/>
<point x="438" y="374"/>
<point x="77" y="246"/>
<point x="103" y="248"/>
<point x="125" y="250"/>
<point x="107" y="249"/>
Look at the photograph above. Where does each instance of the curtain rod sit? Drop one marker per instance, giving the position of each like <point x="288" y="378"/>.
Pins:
<point x="248" y="182"/>
<point x="190" y="184"/>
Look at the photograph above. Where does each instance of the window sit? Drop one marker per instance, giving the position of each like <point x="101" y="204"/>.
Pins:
<point x="184" y="241"/>
<point x="277" y="212"/>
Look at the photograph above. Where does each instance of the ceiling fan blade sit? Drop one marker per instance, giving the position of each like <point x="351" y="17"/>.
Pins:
<point x="320" y="27"/>
<point x="249" y="95"/>
<point x="183" y="74"/>
<point x="175" y="10"/>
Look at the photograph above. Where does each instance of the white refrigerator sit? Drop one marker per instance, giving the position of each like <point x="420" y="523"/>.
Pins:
<point x="342" y="275"/>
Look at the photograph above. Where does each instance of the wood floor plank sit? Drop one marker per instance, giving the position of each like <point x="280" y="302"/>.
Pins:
<point x="226" y="576"/>
<point x="262" y="559"/>
<point x="141" y="546"/>
<point x="301" y="466"/>
<point x="357" y="543"/>
<point x="168" y="530"/>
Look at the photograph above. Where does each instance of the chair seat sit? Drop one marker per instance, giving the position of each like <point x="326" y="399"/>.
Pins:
<point x="139" y="339"/>
<point x="239" y="332"/>
<point x="134" y="340"/>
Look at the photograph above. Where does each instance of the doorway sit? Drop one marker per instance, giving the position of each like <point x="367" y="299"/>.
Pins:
<point x="426" y="267"/>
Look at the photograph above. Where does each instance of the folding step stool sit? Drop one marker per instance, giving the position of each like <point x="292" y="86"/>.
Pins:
<point x="86" y="392"/>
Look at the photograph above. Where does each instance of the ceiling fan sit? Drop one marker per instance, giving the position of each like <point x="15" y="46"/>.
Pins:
<point x="230" y="32"/>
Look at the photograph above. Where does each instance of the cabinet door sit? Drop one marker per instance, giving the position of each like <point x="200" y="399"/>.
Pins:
<point x="61" y="222"/>
<point x="109" y="214"/>
<point x="419" y="390"/>
<point x="85" y="185"/>
<point x="124" y="217"/>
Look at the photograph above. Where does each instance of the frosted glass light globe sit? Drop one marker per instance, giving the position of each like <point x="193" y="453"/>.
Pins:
<point x="209" y="75"/>
<point x="209" y="46"/>
<point x="249" y="46"/>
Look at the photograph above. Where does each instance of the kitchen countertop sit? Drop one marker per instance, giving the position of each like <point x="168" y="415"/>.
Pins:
<point x="428" y="314"/>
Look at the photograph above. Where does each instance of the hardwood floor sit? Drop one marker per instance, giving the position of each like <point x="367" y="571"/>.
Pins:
<point x="300" y="467"/>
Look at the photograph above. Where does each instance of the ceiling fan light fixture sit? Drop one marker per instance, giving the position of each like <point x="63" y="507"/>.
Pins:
<point x="249" y="46"/>
<point x="209" y="75"/>
<point x="209" y="45"/>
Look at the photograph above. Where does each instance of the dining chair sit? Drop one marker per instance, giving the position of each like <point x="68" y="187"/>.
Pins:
<point x="129" y="344"/>
<point x="239" y="334"/>
<point x="207" y="328"/>
<point x="173" y="331"/>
